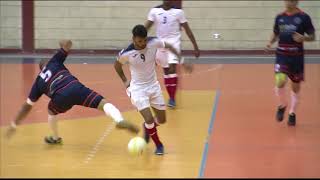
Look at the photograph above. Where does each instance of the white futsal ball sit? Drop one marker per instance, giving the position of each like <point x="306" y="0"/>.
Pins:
<point x="136" y="146"/>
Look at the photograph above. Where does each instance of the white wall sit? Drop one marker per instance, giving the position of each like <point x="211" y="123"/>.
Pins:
<point x="108" y="24"/>
<point x="242" y="24"/>
<point x="90" y="24"/>
<point x="10" y="24"/>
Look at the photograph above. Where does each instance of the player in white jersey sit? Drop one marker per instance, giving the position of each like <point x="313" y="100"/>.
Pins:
<point x="144" y="89"/>
<point x="168" y="21"/>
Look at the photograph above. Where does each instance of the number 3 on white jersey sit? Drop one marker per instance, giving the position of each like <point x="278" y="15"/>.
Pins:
<point x="164" y="20"/>
<point x="45" y="74"/>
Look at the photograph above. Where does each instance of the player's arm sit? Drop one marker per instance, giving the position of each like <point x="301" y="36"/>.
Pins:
<point x="23" y="112"/>
<point x="61" y="55"/>
<point x="148" y="24"/>
<point x="118" y="67"/>
<point x="150" y="19"/>
<point x="34" y="95"/>
<point x="65" y="44"/>
<point x="310" y="37"/>
<point x="274" y="36"/>
<point x="187" y="65"/>
<point x="300" y="38"/>
<point x="184" y="23"/>
<point x="173" y="50"/>
<point x="310" y="31"/>
<point x="191" y="37"/>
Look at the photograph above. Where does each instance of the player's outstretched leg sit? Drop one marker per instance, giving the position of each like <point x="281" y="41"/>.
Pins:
<point x="115" y="114"/>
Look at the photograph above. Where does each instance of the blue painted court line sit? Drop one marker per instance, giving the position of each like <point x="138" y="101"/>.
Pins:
<point x="206" y="147"/>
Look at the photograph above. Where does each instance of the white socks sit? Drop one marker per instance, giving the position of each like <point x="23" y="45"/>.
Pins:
<point x="149" y="126"/>
<point x="13" y="125"/>
<point x="281" y="93"/>
<point x="113" y="112"/>
<point x="52" y="120"/>
<point x="294" y="102"/>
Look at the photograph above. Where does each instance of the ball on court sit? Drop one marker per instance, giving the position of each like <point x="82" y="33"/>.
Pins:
<point x="136" y="146"/>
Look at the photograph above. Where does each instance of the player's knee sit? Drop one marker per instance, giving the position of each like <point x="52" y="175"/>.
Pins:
<point x="281" y="79"/>
<point x="296" y="88"/>
<point x="162" y="120"/>
<point x="166" y="71"/>
<point x="149" y="120"/>
<point x="172" y="69"/>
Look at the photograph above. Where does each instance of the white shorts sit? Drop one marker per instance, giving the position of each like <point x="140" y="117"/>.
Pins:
<point x="144" y="97"/>
<point x="165" y="57"/>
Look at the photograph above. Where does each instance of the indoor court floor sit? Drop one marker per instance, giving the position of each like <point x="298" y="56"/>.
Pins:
<point x="224" y="124"/>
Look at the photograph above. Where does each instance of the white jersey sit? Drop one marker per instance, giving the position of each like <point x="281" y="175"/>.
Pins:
<point x="167" y="23"/>
<point x="142" y="63"/>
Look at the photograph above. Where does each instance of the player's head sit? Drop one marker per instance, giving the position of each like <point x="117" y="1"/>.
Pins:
<point x="291" y="4"/>
<point x="167" y="3"/>
<point x="43" y="63"/>
<point x="139" y="36"/>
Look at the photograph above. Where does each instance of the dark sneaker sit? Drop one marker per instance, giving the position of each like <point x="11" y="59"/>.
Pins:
<point x="52" y="140"/>
<point x="292" y="119"/>
<point x="160" y="150"/>
<point x="171" y="103"/>
<point x="280" y="113"/>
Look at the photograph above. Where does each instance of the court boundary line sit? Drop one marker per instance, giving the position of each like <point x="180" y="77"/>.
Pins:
<point x="206" y="146"/>
<point x="93" y="151"/>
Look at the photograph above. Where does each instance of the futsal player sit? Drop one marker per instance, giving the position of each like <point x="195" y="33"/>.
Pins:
<point x="144" y="89"/>
<point x="168" y="21"/>
<point x="65" y="91"/>
<point x="292" y="28"/>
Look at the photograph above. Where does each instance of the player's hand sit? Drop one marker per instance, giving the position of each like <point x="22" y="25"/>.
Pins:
<point x="10" y="131"/>
<point x="126" y="84"/>
<point x="298" y="37"/>
<point x="66" y="44"/>
<point x="187" y="66"/>
<point x="268" y="47"/>
<point x="196" y="53"/>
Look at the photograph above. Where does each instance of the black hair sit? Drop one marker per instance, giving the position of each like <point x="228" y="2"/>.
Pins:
<point x="139" y="31"/>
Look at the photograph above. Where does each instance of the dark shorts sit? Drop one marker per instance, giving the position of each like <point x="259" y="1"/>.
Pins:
<point x="293" y="66"/>
<point x="72" y="94"/>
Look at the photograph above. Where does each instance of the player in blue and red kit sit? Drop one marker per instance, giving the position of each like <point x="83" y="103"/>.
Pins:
<point x="291" y="28"/>
<point x="65" y="91"/>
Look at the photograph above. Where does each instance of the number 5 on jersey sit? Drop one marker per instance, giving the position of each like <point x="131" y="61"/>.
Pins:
<point x="45" y="74"/>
